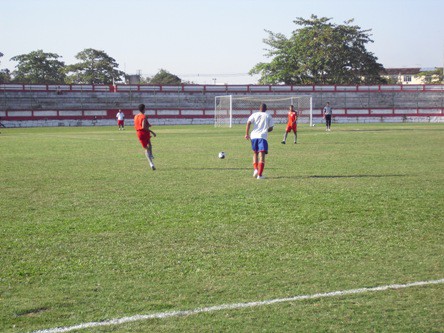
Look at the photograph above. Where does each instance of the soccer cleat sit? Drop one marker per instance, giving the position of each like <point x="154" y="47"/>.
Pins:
<point x="295" y="142"/>
<point x="283" y="142"/>
<point x="260" y="177"/>
<point x="153" y="167"/>
<point x="255" y="173"/>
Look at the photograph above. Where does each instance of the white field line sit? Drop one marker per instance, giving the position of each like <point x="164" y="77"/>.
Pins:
<point x="234" y="306"/>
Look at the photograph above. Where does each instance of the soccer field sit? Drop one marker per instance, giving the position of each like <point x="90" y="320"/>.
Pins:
<point x="90" y="233"/>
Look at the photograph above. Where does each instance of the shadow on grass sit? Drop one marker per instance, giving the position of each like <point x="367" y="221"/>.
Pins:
<point x="392" y="129"/>
<point x="337" y="176"/>
<point x="291" y="176"/>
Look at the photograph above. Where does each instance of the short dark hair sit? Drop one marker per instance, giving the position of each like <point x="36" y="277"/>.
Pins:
<point x="141" y="107"/>
<point x="264" y="107"/>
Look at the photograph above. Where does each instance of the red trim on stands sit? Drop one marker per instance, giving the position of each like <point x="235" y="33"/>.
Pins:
<point x="179" y="113"/>
<point x="249" y="88"/>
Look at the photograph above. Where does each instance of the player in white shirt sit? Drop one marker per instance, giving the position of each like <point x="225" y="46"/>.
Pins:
<point x="120" y="120"/>
<point x="262" y="124"/>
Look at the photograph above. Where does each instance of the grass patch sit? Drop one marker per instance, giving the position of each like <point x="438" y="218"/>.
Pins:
<point x="90" y="233"/>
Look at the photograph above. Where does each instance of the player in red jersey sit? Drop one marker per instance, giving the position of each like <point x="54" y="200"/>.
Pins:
<point x="142" y="127"/>
<point x="292" y="125"/>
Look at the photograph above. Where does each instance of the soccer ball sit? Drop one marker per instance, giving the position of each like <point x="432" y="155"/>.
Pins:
<point x="221" y="155"/>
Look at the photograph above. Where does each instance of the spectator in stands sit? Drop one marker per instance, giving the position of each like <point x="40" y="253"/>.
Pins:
<point x="326" y="114"/>
<point x="120" y="120"/>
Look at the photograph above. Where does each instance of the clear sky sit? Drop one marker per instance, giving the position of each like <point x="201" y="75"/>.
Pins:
<point x="210" y="41"/>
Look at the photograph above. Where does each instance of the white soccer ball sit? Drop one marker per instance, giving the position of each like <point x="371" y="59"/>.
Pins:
<point x="221" y="154"/>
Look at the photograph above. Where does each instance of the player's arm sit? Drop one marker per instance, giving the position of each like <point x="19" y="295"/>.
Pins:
<point x="247" y="130"/>
<point x="146" y="125"/>
<point x="271" y="123"/>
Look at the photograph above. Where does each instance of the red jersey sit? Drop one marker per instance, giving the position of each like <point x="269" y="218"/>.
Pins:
<point x="138" y="122"/>
<point x="292" y="117"/>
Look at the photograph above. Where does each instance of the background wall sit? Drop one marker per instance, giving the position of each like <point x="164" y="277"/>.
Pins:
<point x="91" y="105"/>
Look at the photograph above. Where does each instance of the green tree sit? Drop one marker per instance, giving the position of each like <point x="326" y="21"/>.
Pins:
<point x="319" y="52"/>
<point x="5" y="75"/>
<point x="39" y="67"/>
<point x="145" y="80"/>
<point x="432" y="76"/>
<point x="165" y="78"/>
<point x="95" y="67"/>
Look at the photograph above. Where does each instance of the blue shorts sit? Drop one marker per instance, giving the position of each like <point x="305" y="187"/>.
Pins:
<point x="259" y="145"/>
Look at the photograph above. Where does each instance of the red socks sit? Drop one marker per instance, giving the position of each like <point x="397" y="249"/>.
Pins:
<point x="260" y="168"/>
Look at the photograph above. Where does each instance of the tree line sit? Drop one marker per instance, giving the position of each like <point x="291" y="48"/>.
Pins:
<point x="317" y="52"/>
<point x="93" y="67"/>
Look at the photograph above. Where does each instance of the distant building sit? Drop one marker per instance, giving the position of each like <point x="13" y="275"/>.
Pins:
<point x="133" y="79"/>
<point x="407" y="75"/>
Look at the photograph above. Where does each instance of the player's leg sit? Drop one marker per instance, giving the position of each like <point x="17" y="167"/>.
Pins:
<point x="284" y="140"/>
<point x="150" y="160"/>
<point x="263" y="150"/>
<point x="149" y="155"/>
<point x="261" y="165"/>
<point x="144" y="139"/>
<point x="255" y="164"/>
<point x="295" y="131"/>
<point x="285" y="135"/>
<point x="254" y="147"/>
<point x="150" y="149"/>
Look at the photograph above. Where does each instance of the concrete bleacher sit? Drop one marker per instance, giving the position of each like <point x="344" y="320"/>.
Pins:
<point x="97" y="105"/>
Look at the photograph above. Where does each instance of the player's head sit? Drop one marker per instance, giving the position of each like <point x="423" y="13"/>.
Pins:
<point x="292" y="108"/>
<point x="263" y="107"/>
<point x="142" y="108"/>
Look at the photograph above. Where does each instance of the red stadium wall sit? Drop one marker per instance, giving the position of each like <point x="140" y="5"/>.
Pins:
<point x="89" y="105"/>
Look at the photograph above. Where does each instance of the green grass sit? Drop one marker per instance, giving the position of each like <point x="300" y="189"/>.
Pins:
<point x="89" y="232"/>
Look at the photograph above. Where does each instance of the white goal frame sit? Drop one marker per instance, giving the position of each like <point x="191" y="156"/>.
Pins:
<point x="223" y="111"/>
<point x="244" y="105"/>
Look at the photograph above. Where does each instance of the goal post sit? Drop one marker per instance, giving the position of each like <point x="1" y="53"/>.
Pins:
<point x="239" y="107"/>
<point x="223" y="111"/>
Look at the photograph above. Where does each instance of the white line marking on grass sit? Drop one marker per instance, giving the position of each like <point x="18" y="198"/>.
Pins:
<point x="234" y="306"/>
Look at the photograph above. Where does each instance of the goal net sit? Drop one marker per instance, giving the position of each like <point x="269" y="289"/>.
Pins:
<point x="223" y="113"/>
<point x="231" y="109"/>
